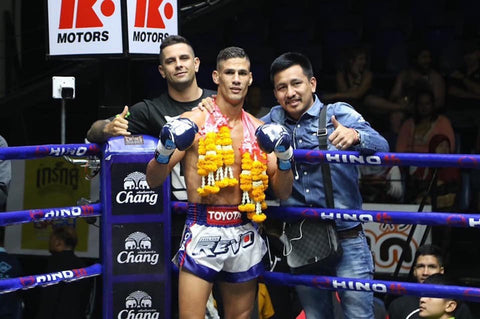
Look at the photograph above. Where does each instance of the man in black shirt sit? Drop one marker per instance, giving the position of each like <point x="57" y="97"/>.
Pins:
<point x="178" y="66"/>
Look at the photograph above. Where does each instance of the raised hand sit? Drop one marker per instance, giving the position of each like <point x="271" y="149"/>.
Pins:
<point x="343" y="137"/>
<point x="275" y="138"/>
<point x="119" y="125"/>
<point x="179" y="133"/>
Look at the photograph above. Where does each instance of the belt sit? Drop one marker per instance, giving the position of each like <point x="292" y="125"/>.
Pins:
<point x="350" y="233"/>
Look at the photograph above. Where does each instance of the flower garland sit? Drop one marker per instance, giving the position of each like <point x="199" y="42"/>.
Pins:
<point x="253" y="183"/>
<point x="216" y="157"/>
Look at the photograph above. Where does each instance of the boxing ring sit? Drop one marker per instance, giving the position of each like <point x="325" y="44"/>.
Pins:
<point x="135" y="243"/>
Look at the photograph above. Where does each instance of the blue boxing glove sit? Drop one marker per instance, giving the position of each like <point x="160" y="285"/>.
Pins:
<point x="179" y="133"/>
<point x="275" y="138"/>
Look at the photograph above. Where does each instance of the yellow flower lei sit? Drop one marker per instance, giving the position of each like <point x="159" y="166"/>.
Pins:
<point x="215" y="159"/>
<point x="253" y="183"/>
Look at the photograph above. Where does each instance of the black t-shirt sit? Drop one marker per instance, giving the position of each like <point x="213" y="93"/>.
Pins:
<point x="149" y="116"/>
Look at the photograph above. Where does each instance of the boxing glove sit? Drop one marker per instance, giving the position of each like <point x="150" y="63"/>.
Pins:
<point x="179" y="133"/>
<point x="275" y="138"/>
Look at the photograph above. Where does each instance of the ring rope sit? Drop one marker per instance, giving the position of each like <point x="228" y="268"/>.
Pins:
<point x="310" y="156"/>
<point x="34" y="215"/>
<point x="388" y="159"/>
<point x="376" y="216"/>
<point x="27" y="282"/>
<point x="380" y="286"/>
<point x="53" y="150"/>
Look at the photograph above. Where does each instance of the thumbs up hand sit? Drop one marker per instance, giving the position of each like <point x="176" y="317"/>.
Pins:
<point x="119" y="125"/>
<point x="343" y="137"/>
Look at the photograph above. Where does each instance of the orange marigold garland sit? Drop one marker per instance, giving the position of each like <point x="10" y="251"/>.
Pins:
<point x="216" y="157"/>
<point x="253" y="183"/>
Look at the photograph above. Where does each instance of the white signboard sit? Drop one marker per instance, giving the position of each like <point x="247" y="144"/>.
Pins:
<point x="79" y="27"/>
<point x="149" y="22"/>
<point x="386" y="240"/>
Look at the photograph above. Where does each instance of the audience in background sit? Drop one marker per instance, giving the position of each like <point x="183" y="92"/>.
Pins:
<point x="428" y="261"/>
<point x="438" y="308"/>
<point x="400" y="103"/>
<point x="64" y="300"/>
<point x="353" y="80"/>
<point x="464" y="96"/>
<point x="426" y="131"/>
<point x="464" y="83"/>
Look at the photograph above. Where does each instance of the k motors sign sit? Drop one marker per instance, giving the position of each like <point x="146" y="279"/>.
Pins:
<point x="149" y="22"/>
<point x="82" y="27"/>
<point x="79" y="27"/>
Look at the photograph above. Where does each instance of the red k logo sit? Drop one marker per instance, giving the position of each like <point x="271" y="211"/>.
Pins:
<point x="81" y="14"/>
<point x="148" y="14"/>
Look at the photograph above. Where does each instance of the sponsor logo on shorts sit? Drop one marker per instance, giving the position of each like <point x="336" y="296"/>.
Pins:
<point x="136" y="190"/>
<point x="138" y="250"/>
<point x="216" y="216"/>
<point x="212" y="246"/>
<point x="139" y="305"/>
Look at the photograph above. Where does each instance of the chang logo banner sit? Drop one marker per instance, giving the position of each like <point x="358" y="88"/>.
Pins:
<point x="130" y="191"/>
<point x="138" y="248"/>
<point x="138" y="304"/>
<point x="78" y="27"/>
<point x="140" y="300"/>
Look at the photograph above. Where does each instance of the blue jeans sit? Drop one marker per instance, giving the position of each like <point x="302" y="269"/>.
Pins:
<point x="356" y="262"/>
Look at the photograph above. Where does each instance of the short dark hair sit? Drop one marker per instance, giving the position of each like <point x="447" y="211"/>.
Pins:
<point x="171" y="40"/>
<point x="290" y="59"/>
<point x="444" y="280"/>
<point x="67" y="234"/>
<point x="231" y="53"/>
<point x="432" y="250"/>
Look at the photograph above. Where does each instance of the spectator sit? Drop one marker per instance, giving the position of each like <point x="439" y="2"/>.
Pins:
<point x="428" y="261"/>
<point x="416" y="136"/>
<point x="64" y="300"/>
<point x="464" y="83"/>
<point x="438" y="308"/>
<point x="401" y="100"/>
<point x="464" y="96"/>
<point x="354" y="80"/>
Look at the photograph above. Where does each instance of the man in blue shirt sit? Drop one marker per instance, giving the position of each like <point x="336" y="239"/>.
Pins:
<point x="299" y="109"/>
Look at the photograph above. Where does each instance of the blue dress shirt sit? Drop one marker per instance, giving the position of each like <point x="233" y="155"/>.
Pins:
<point x="308" y="181"/>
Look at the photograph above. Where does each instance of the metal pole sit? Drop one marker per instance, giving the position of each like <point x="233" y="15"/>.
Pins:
<point x="63" y="122"/>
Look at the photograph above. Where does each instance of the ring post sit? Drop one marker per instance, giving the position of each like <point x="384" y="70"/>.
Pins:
<point x="135" y="244"/>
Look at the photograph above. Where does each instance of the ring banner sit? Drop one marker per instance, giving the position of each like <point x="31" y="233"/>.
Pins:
<point x="27" y="282"/>
<point x="388" y="159"/>
<point x="33" y="215"/>
<point x="53" y="150"/>
<point x="378" y="286"/>
<point x="136" y="223"/>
